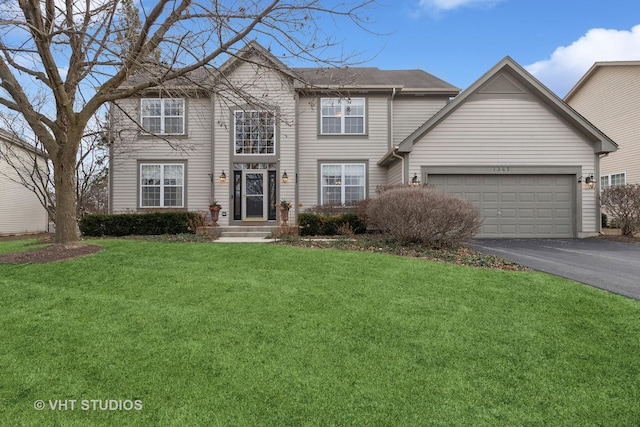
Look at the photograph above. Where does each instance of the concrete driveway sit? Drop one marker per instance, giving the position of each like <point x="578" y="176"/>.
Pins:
<point x="608" y="265"/>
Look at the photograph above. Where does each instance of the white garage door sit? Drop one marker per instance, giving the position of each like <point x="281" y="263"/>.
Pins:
<point x="517" y="205"/>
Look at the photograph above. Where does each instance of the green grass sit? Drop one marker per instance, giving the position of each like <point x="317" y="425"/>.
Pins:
<point x="265" y="335"/>
<point x="19" y="245"/>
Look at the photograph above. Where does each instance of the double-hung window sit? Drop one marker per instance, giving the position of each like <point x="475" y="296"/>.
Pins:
<point x="342" y="183"/>
<point x="161" y="185"/>
<point x="342" y="116"/>
<point x="163" y="116"/>
<point x="613" y="180"/>
<point x="255" y="132"/>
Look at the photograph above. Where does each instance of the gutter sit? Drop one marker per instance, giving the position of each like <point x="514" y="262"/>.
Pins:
<point x="394" y="153"/>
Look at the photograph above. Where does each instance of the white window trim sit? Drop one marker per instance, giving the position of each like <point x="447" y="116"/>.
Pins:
<point x="343" y="184"/>
<point x="162" y="185"/>
<point x="235" y="133"/>
<point x="608" y="180"/>
<point x="162" y="115"/>
<point x="343" y="104"/>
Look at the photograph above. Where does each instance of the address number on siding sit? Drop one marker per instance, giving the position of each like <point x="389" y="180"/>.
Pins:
<point x="501" y="169"/>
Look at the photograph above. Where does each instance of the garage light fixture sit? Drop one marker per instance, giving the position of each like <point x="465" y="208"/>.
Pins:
<point x="589" y="181"/>
<point x="415" y="181"/>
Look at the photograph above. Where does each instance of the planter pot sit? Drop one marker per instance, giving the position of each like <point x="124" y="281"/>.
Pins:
<point x="215" y="213"/>
<point x="284" y="215"/>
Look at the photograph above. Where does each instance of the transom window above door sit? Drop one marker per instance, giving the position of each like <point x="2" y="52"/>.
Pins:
<point x="255" y="132"/>
<point x="162" y="116"/>
<point x="342" y="116"/>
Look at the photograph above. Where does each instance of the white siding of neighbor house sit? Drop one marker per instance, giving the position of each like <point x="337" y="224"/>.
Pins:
<point x="411" y="112"/>
<point x="194" y="148"/>
<point x="508" y="131"/>
<point x="20" y="209"/>
<point x="610" y="99"/>
<point x="272" y="89"/>
<point x="314" y="147"/>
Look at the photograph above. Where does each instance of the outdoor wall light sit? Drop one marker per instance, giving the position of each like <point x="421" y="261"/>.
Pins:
<point x="223" y="177"/>
<point x="415" y="181"/>
<point x="285" y="177"/>
<point x="590" y="181"/>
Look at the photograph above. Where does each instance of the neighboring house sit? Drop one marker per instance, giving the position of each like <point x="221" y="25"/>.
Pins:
<point x="20" y="208"/>
<point x="318" y="136"/>
<point x="608" y="95"/>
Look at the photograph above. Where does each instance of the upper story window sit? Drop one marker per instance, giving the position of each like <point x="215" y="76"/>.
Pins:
<point x="342" y="116"/>
<point x="255" y="132"/>
<point x="161" y="185"/>
<point x="163" y="116"/>
<point x="613" y="180"/>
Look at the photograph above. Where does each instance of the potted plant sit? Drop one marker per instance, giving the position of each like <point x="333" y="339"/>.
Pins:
<point x="284" y="207"/>
<point x="214" y="208"/>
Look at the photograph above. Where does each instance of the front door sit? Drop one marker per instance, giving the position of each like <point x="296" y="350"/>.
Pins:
<point x="255" y="196"/>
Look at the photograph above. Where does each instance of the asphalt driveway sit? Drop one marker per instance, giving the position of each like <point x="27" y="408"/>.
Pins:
<point x="608" y="265"/>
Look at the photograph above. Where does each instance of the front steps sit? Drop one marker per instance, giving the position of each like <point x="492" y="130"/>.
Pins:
<point x="258" y="232"/>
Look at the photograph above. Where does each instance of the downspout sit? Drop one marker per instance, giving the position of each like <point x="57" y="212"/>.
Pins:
<point x="394" y="153"/>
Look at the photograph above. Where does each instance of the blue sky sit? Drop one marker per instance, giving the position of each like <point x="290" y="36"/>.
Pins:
<point x="459" y="40"/>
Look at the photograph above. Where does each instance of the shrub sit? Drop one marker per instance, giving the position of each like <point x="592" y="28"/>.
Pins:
<point x="316" y="224"/>
<point x="141" y="224"/>
<point x="623" y="204"/>
<point x="603" y="220"/>
<point x="424" y="215"/>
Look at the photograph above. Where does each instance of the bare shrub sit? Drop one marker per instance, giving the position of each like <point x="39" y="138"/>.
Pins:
<point x="345" y="229"/>
<point x="284" y="231"/>
<point x="622" y="203"/>
<point x="424" y="215"/>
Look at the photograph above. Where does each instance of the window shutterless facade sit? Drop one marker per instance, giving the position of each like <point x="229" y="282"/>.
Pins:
<point x="255" y="132"/>
<point x="162" y="116"/>
<point x="342" y="116"/>
<point x="613" y="180"/>
<point x="161" y="185"/>
<point x="342" y="183"/>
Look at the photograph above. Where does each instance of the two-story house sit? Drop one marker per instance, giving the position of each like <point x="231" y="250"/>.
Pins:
<point x="255" y="132"/>
<point x="608" y="95"/>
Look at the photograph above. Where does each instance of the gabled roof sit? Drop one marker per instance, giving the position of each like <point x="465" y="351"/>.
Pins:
<point x="595" y="67"/>
<point x="373" y="78"/>
<point x="313" y="79"/>
<point x="520" y="76"/>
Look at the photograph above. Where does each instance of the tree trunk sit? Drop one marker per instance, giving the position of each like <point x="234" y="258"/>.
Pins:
<point x="64" y="176"/>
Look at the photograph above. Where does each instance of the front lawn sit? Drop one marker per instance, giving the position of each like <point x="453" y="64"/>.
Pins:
<point x="267" y="335"/>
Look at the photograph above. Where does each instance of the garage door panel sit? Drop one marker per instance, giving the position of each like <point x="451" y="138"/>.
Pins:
<point x="517" y="205"/>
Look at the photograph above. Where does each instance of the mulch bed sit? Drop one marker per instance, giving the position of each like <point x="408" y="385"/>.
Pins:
<point x="50" y="253"/>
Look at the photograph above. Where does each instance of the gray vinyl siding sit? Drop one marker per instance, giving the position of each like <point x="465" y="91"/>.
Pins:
<point x="410" y="112"/>
<point x="343" y="149"/>
<point x="194" y="149"/>
<point x="394" y="173"/>
<point x="509" y="131"/>
<point x="274" y="90"/>
<point x="610" y="99"/>
<point x="20" y="209"/>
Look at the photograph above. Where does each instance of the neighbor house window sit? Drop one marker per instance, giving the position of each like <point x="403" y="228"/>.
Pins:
<point x="161" y="185"/>
<point x="163" y="116"/>
<point x="342" y="183"/>
<point x="255" y="132"/>
<point x="613" y="180"/>
<point x="342" y="116"/>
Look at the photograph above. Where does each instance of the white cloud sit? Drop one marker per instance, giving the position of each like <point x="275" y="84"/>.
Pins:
<point x="568" y="63"/>
<point x="445" y="5"/>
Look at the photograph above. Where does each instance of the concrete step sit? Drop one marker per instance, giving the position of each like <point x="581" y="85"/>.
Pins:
<point x="250" y="234"/>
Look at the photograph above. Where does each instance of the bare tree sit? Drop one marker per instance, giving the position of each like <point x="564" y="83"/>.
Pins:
<point x="62" y="62"/>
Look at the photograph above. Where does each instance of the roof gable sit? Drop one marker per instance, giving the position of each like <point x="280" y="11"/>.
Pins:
<point x="597" y="66"/>
<point x="508" y="78"/>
